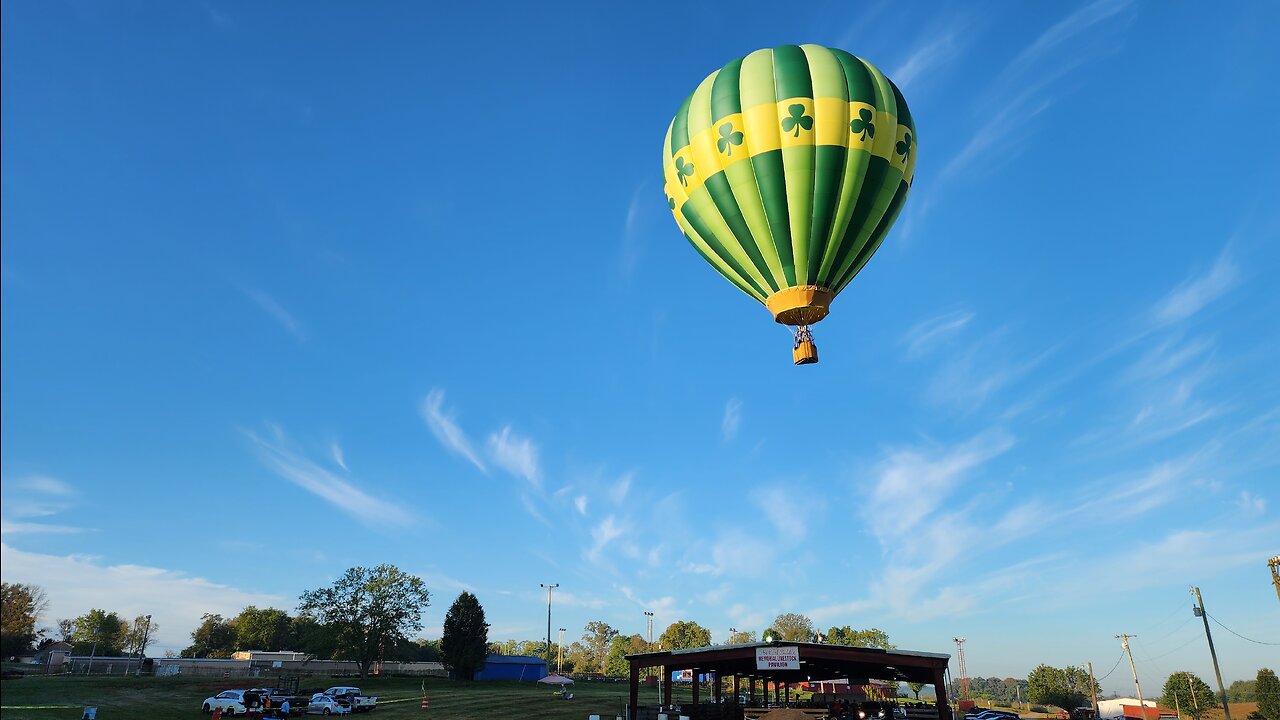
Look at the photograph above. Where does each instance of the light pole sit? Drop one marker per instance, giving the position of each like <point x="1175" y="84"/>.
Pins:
<point x="560" y="652"/>
<point x="648" y="616"/>
<point x="89" y="669"/>
<point x="549" y="587"/>
<point x="732" y="632"/>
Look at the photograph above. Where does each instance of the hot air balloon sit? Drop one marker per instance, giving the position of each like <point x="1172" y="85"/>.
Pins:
<point x="785" y="170"/>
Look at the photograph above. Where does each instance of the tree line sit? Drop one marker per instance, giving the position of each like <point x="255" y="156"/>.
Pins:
<point x="98" y="631"/>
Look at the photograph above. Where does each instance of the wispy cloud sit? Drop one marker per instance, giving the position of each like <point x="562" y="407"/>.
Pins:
<point x="632" y="229"/>
<point x="618" y="493"/>
<point x="1251" y="504"/>
<point x="16" y="527"/>
<point x="336" y="451"/>
<point x="36" y="497"/>
<point x="515" y="454"/>
<point x="732" y="419"/>
<point x="788" y="508"/>
<point x="1195" y="293"/>
<point x="940" y="43"/>
<point x="46" y="485"/>
<point x="911" y="483"/>
<point x="928" y="334"/>
<point x="602" y="534"/>
<point x="1069" y="27"/>
<point x="216" y="16"/>
<point x="276" y="311"/>
<point x="1030" y="83"/>
<point x="971" y="375"/>
<point x="340" y="492"/>
<point x="446" y="429"/>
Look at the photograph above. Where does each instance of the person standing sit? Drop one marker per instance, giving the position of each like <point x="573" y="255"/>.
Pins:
<point x="284" y="708"/>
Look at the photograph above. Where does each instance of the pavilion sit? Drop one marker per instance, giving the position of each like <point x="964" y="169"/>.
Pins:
<point x="784" y="665"/>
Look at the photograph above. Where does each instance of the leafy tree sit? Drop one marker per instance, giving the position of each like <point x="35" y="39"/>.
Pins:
<point x="21" y="606"/>
<point x="214" y="637"/>
<point x="66" y="628"/>
<point x="597" y="635"/>
<point x="265" y="629"/>
<point x="141" y="633"/>
<point x="684" y="635"/>
<point x="916" y="688"/>
<point x="792" y="627"/>
<point x="871" y="637"/>
<point x="1242" y="691"/>
<point x="1189" y="693"/>
<point x="313" y="638"/>
<point x="619" y="648"/>
<point x="98" y="627"/>
<point x="578" y="656"/>
<point x="465" y="641"/>
<point x="1065" y="687"/>
<point x="1267" y="689"/>
<point x="368" y="608"/>
<point x="742" y="636"/>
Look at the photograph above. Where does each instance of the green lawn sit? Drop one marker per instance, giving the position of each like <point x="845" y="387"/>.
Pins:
<point x="174" y="698"/>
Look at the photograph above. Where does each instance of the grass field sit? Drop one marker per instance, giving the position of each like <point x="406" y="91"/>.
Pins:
<point x="38" y="698"/>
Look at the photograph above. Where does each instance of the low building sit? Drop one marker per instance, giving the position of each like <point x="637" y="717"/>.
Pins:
<point x="1114" y="708"/>
<point x="269" y="656"/>
<point x="54" y="655"/>
<point x="513" y="667"/>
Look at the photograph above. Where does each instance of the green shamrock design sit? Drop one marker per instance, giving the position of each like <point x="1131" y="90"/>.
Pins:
<point x="684" y="170"/>
<point x="671" y="202"/>
<point x="904" y="146"/>
<point x="728" y="138"/>
<point x="797" y="120"/>
<point x="862" y="124"/>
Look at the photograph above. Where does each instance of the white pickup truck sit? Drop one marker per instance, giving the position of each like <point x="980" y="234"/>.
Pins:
<point x="354" y="699"/>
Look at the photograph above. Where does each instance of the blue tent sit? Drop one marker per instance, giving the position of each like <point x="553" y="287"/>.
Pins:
<point x="513" y="667"/>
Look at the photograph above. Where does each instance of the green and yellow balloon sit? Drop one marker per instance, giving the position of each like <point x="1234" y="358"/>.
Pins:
<point x="785" y="169"/>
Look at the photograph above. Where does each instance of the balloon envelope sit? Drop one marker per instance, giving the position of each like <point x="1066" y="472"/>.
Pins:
<point x="786" y="168"/>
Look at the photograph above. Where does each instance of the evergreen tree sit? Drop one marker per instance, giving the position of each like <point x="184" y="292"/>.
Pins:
<point x="1190" y="694"/>
<point x="465" y="640"/>
<point x="1268" y="691"/>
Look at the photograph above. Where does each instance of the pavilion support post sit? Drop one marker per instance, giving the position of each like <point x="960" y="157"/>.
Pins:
<point x="751" y="690"/>
<point x="715" y="690"/>
<point x="735" y="688"/>
<point x="633" y="705"/>
<point x="940" y="691"/>
<point x="666" y="687"/>
<point x="695" y="686"/>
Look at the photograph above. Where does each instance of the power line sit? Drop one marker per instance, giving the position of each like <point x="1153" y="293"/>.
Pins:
<point x="1113" y="668"/>
<point x="1233" y="632"/>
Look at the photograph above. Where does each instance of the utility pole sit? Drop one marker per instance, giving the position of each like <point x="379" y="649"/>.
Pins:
<point x="1093" y="691"/>
<point x="1124" y="643"/>
<point x="550" y="587"/>
<point x="1198" y="609"/>
<point x="1194" y="701"/>
<point x="1274" y="564"/>
<point x="142" y="651"/>
<point x="964" y="673"/>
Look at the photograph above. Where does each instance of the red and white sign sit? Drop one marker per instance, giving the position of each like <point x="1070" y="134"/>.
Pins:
<point x="778" y="658"/>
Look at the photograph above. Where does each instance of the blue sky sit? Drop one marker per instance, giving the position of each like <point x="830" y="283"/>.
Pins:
<point x="288" y="288"/>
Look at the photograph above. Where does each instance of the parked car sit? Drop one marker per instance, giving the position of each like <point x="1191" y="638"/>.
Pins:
<point x="352" y="697"/>
<point x="231" y="702"/>
<point x="324" y="704"/>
